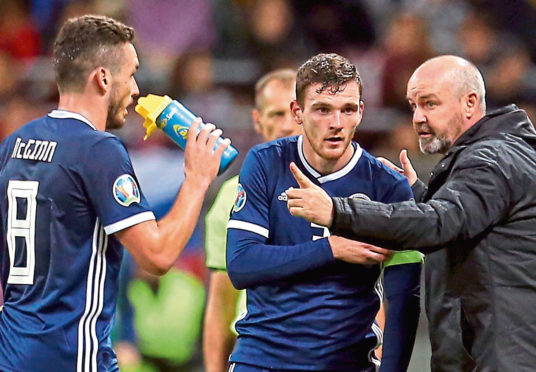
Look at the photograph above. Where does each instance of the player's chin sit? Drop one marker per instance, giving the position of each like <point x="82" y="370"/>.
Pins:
<point x="116" y="122"/>
<point x="332" y="154"/>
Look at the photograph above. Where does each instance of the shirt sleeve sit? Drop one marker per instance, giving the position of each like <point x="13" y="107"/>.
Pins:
<point x="251" y="259"/>
<point x="402" y="292"/>
<point x="401" y="276"/>
<point x="113" y="187"/>
<point x="216" y="225"/>
<point x="399" y="192"/>
<point x="461" y="209"/>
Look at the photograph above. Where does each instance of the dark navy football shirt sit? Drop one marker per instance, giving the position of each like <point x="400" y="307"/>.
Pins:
<point x="305" y="310"/>
<point x="65" y="189"/>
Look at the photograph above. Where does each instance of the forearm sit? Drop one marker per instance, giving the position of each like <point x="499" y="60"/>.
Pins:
<point x="402" y="289"/>
<point x="177" y="226"/>
<point x="251" y="263"/>
<point x="156" y="245"/>
<point x="400" y="226"/>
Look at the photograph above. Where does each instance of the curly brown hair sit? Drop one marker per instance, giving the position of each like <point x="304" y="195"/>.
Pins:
<point x="331" y="70"/>
<point x="83" y="44"/>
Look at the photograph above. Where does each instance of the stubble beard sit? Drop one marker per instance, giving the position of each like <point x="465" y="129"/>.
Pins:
<point x="113" y="118"/>
<point x="440" y="144"/>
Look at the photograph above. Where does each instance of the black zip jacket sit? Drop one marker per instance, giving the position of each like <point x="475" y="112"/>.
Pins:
<point x="476" y="220"/>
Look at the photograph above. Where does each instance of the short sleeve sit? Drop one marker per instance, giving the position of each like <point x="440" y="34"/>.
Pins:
<point x="113" y="188"/>
<point x="251" y="207"/>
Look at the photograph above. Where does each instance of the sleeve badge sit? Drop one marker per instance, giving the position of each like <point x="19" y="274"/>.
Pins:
<point x="125" y="190"/>
<point x="240" y="199"/>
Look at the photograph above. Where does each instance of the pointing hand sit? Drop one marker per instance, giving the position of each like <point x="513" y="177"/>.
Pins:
<point x="309" y="201"/>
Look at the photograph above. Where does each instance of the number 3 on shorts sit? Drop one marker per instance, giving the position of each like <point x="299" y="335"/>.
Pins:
<point x="21" y="214"/>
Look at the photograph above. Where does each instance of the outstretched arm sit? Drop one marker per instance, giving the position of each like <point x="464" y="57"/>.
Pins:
<point x="252" y="262"/>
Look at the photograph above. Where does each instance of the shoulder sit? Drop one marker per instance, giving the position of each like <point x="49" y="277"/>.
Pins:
<point x="491" y="151"/>
<point x="275" y="147"/>
<point x="380" y="170"/>
<point x="269" y="156"/>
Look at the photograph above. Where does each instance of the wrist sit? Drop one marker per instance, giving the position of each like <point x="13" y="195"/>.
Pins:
<point x="197" y="183"/>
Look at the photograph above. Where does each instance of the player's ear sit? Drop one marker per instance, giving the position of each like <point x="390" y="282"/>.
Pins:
<point x="103" y="79"/>
<point x="256" y="116"/>
<point x="297" y="112"/>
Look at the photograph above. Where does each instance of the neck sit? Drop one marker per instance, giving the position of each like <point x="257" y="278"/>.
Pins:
<point x="85" y="105"/>
<point x="326" y="166"/>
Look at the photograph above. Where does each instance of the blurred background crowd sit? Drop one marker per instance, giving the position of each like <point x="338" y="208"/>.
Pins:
<point x="209" y="53"/>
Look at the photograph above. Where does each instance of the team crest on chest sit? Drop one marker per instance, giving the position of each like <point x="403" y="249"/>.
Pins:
<point x="240" y="199"/>
<point x="126" y="191"/>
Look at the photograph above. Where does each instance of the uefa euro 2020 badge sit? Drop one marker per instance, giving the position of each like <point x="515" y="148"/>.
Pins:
<point x="126" y="190"/>
<point x="240" y="199"/>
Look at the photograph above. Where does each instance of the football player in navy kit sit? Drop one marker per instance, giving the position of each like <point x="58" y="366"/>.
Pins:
<point x="70" y="198"/>
<point x="312" y="297"/>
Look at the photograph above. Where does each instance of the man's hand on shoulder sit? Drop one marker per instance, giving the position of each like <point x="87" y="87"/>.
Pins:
<point x="407" y="169"/>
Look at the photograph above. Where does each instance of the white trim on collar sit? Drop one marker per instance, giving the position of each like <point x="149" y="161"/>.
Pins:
<point x="64" y="114"/>
<point x="332" y="176"/>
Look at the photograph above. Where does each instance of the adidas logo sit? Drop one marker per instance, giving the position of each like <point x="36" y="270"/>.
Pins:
<point x="282" y="197"/>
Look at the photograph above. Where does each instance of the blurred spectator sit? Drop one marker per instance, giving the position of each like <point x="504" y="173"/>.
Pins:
<point x="168" y="28"/>
<point x="10" y="75"/>
<point x="192" y="83"/>
<point x="337" y="25"/>
<point x="45" y="14"/>
<point x="511" y="77"/>
<point x="16" y="112"/>
<point x="444" y="19"/>
<point x="76" y="8"/>
<point x="478" y="39"/>
<point x="270" y="34"/>
<point x="406" y="47"/>
<point x="19" y="36"/>
<point x="516" y="16"/>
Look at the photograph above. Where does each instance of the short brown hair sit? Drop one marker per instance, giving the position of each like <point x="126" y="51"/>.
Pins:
<point x="85" y="43"/>
<point x="285" y="76"/>
<point x="331" y="70"/>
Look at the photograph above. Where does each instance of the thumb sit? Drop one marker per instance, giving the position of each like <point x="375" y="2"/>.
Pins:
<point x="404" y="161"/>
<point x="409" y="171"/>
<point x="301" y="178"/>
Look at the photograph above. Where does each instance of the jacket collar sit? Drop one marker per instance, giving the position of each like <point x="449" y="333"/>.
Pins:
<point x="505" y="120"/>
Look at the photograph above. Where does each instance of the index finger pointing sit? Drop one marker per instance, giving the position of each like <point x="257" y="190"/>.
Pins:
<point x="301" y="178"/>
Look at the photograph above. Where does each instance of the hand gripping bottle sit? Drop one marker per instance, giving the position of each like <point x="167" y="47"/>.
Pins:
<point x="175" y="120"/>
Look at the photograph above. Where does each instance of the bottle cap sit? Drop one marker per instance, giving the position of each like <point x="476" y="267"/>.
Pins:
<point x="150" y="108"/>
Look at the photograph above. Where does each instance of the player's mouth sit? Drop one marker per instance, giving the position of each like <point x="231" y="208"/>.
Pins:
<point x="334" y="140"/>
